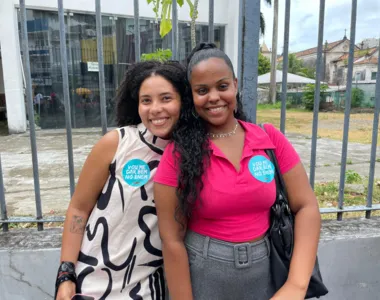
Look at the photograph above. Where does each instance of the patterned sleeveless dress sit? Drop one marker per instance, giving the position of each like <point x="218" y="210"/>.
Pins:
<point x="121" y="255"/>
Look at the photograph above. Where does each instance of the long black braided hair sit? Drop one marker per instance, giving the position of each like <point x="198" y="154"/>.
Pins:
<point x="191" y="143"/>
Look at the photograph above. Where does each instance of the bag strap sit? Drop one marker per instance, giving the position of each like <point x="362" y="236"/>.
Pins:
<point x="281" y="193"/>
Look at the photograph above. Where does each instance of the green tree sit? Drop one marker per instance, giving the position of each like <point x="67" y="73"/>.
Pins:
<point x="262" y="20"/>
<point x="163" y="8"/>
<point x="264" y="64"/>
<point x="308" y="95"/>
<point x="296" y="66"/>
<point x="194" y="16"/>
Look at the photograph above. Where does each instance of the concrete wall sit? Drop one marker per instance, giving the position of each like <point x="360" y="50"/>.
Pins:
<point x="126" y="8"/>
<point x="349" y="256"/>
<point x="1" y="78"/>
<point x="10" y="53"/>
<point x="368" y="69"/>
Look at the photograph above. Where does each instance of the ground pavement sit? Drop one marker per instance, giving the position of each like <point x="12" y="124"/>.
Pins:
<point x="53" y="165"/>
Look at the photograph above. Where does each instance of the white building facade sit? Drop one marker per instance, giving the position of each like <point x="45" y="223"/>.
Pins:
<point x="118" y="43"/>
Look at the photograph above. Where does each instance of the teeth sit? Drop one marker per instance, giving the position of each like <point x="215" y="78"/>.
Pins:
<point x="158" y="121"/>
<point x="216" y="109"/>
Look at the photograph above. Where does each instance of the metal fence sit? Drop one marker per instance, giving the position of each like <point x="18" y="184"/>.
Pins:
<point x="248" y="47"/>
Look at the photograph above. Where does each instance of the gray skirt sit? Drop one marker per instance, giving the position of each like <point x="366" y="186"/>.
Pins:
<point x="227" y="271"/>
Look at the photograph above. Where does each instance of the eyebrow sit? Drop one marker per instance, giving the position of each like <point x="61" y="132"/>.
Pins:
<point x="162" y="94"/>
<point x="224" y="78"/>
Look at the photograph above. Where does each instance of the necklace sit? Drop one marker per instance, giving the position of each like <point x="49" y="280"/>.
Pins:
<point x="223" y="135"/>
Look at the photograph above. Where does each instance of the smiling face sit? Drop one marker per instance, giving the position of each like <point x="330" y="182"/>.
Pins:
<point x="159" y="105"/>
<point x="214" y="91"/>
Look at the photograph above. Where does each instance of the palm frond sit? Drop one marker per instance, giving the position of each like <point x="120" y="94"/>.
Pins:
<point x="262" y="24"/>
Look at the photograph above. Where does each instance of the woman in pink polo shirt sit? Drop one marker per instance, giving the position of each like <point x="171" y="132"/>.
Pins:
<point x="213" y="203"/>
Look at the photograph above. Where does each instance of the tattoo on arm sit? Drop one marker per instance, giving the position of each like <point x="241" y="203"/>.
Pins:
<point x="77" y="225"/>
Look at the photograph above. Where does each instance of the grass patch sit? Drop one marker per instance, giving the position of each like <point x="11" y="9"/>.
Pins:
<point x="266" y="106"/>
<point x="353" y="177"/>
<point x="330" y="123"/>
<point x="32" y="225"/>
<point x="327" y="194"/>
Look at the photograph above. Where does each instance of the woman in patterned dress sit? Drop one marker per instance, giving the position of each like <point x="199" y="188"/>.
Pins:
<point x="110" y="246"/>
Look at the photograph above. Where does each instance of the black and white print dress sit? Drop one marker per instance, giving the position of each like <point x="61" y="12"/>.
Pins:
<point x="121" y="255"/>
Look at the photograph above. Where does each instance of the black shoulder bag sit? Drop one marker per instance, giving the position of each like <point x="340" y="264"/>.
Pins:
<point x="281" y="236"/>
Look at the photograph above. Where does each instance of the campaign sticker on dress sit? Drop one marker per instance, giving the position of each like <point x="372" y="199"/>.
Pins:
<point x="261" y="168"/>
<point x="136" y="172"/>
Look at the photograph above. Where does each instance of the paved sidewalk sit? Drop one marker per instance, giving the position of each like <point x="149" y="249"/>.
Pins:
<point x="54" y="175"/>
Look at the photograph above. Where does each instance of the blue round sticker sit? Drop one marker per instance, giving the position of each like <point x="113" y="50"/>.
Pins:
<point x="261" y="168"/>
<point x="136" y="172"/>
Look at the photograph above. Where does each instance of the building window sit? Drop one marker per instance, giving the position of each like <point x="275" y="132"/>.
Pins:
<point x="118" y="54"/>
<point x="359" y="76"/>
<point x="373" y="75"/>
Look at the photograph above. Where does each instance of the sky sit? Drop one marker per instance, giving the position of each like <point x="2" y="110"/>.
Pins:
<point x="304" y="22"/>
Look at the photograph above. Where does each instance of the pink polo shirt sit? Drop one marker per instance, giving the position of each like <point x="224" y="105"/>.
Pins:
<point x="235" y="206"/>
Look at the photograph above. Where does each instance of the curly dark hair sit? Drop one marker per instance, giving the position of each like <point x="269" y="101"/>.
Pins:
<point x="127" y="99"/>
<point x="190" y="136"/>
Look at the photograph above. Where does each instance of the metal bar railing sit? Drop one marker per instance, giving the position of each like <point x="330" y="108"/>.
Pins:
<point x="29" y="100"/>
<point x="247" y="72"/>
<point x="71" y="61"/>
<point x="357" y="208"/>
<point x="375" y="128"/>
<point x="347" y="109"/>
<point x="3" y="206"/>
<point x="66" y="94"/>
<point x="137" y="30"/>
<point x="273" y="65"/>
<point x="285" y="66"/>
<point x="102" y="87"/>
<point x="211" y="21"/>
<point x="317" y="94"/>
<point x="174" y="30"/>
<point x="250" y="62"/>
<point x="240" y="45"/>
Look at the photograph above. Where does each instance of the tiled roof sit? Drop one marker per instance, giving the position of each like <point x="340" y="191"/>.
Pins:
<point x="358" y="54"/>
<point x="315" y="49"/>
<point x="371" y="60"/>
<point x="310" y="51"/>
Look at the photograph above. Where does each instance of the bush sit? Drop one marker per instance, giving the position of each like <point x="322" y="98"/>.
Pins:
<point x="357" y="97"/>
<point x="308" y="95"/>
<point x="160" y="55"/>
<point x="353" y="177"/>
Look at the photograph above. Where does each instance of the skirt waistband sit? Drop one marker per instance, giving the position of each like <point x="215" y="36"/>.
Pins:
<point x="242" y="254"/>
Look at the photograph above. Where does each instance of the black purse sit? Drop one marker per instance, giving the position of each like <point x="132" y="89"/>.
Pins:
<point x="281" y="236"/>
